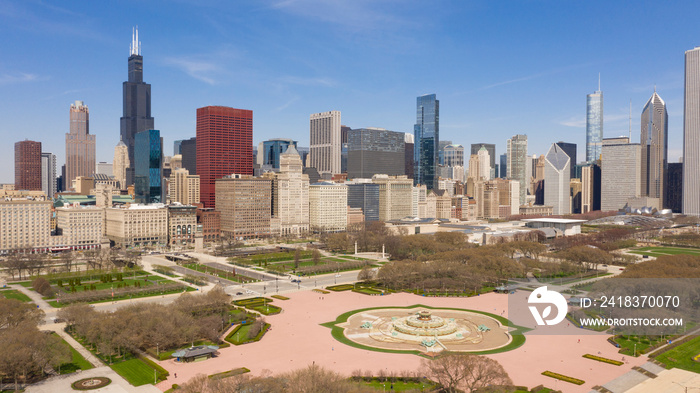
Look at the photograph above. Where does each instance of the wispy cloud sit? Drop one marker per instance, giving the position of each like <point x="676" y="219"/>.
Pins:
<point x="287" y="104"/>
<point x="308" y="81"/>
<point x="576" y="121"/>
<point x="197" y="69"/>
<point x="6" y="79"/>
<point x="357" y="15"/>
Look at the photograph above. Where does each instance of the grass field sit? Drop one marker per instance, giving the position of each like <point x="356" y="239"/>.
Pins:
<point x="661" y="251"/>
<point x="135" y="371"/>
<point x="627" y="346"/>
<point x="219" y="273"/>
<point x="399" y="386"/>
<point x="15" y="294"/>
<point x="56" y="304"/>
<point x="78" y="362"/>
<point x="682" y="356"/>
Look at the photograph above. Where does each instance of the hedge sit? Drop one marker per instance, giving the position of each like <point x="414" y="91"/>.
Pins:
<point x="256" y="338"/>
<point x="341" y="287"/>
<point x="230" y="373"/>
<point x="280" y="297"/>
<point x="602" y="359"/>
<point x="564" y="378"/>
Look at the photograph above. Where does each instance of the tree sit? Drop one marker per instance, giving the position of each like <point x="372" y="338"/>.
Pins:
<point x="297" y="258"/>
<point x="67" y="259"/>
<point x="366" y="274"/>
<point x="316" y="257"/>
<point x="463" y="372"/>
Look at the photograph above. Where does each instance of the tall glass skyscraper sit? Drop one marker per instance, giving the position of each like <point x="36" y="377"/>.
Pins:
<point x="516" y="165"/>
<point x="148" y="152"/>
<point x="427" y="133"/>
<point x="691" y="134"/>
<point x="594" y="125"/>
<point x="654" y="141"/>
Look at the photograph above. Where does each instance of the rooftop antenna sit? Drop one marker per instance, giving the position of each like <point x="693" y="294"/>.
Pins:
<point x="599" y="81"/>
<point x="631" y="119"/>
<point x="135" y="48"/>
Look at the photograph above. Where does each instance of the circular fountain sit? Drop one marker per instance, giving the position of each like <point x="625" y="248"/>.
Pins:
<point x="425" y="324"/>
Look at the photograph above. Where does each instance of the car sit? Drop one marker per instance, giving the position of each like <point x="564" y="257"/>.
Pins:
<point x="605" y="265"/>
<point x="622" y="268"/>
<point x="296" y="280"/>
<point x="337" y="275"/>
<point x="239" y="293"/>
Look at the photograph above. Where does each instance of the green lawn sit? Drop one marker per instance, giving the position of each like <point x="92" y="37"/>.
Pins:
<point x="219" y="273"/>
<point x="661" y="251"/>
<point x="627" y="345"/>
<point x="682" y="356"/>
<point x="55" y="304"/>
<point x="399" y="386"/>
<point x="135" y="371"/>
<point x="15" y="294"/>
<point x="78" y="362"/>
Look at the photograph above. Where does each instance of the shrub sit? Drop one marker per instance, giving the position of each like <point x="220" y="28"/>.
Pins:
<point x="42" y="286"/>
<point x="564" y="378"/>
<point x="602" y="359"/>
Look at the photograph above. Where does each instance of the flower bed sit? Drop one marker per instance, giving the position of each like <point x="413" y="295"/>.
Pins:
<point x="564" y="378"/>
<point x="91" y="383"/>
<point x="602" y="359"/>
<point x="341" y="287"/>
<point x="280" y="297"/>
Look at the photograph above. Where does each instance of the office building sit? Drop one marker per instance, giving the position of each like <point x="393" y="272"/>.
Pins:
<point x="28" y="165"/>
<point x="188" y="150"/>
<point x="136" y="105"/>
<point x="408" y="155"/>
<point x="245" y="203"/>
<point x="177" y="147"/>
<point x="80" y="227"/>
<point x="374" y="151"/>
<point x="224" y="147"/>
<point x="594" y="124"/>
<point x="104" y="168"/>
<point x="491" y="148"/>
<point x="48" y="174"/>
<point x="80" y="145"/>
<point x="328" y="207"/>
<point x="691" y="134"/>
<point x="621" y="165"/>
<point x="182" y="224"/>
<point x="25" y="225"/>
<point x="557" y="178"/>
<point x="364" y="196"/>
<point x="674" y="187"/>
<point x="427" y="140"/>
<point x="137" y="225"/>
<point x="516" y="151"/>
<point x="325" y="142"/>
<point x="590" y="187"/>
<point x="484" y="159"/>
<point x="290" y="194"/>
<point x="395" y="196"/>
<point x="570" y="150"/>
<point x="121" y="163"/>
<point x="654" y="143"/>
<point x="487" y="198"/>
<point x="269" y="151"/>
<point x="453" y="155"/>
<point x="503" y="166"/>
<point x="148" y="153"/>
<point x="183" y="187"/>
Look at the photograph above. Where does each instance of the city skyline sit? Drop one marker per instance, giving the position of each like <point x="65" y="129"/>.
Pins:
<point x="216" y="68"/>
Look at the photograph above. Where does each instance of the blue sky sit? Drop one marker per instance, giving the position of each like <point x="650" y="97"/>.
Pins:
<point x="498" y="68"/>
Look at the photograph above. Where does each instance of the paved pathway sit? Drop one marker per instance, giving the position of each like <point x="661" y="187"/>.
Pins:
<point x="63" y="383"/>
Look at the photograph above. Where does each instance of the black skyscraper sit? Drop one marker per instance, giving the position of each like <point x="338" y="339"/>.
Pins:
<point x="570" y="150"/>
<point x="137" y="103"/>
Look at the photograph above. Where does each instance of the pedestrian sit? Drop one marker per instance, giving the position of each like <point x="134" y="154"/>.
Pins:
<point x="579" y="341"/>
<point x="175" y="375"/>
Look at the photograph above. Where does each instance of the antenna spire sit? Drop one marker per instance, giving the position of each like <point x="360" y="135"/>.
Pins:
<point x="630" y="141"/>
<point x="135" y="48"/>
<point x="599" y="81"/>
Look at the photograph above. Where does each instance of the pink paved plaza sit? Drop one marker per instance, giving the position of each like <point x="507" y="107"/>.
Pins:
<point x="297" y="339"/>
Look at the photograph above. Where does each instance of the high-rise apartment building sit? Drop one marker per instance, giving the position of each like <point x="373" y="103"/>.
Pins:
<point x="691" y="134"/>
<point x="516" y="150"/>
<point x="427" y="140"/>
<point x="328" y="207"/>
<point x="121" y="163"/>
<point x="224" y="147"/>
<point x="594" y="124"/>
<point x="48" y="174"/>
<point x="557" y="177"/>
<point x="136" y="115"/>
<point x="245" y="205"/>
<point x="148" y="156"/>
<point x="654" y="141"/>
<point x="290" y="193"/>
<point x="325" y="142"/>
<point x="621" y="164"/>
<point x="183" y="187"/>
<point x="80" y="145"/>
<point x="570" y="150"/>
<point x="374" y="151"/>
<point x="365" y="196"/>
<point x="28" y="165"/>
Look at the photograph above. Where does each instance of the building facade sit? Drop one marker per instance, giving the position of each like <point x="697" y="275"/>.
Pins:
<point x="80" y="227"/>
<point x="516" y="150"/>
<point x="590" y="187"/>
<point x="594" y="125"/>
<point x="325" y="142"/>
<point x="148" y="155"/>
<point x="269" y="151"/>
<point x="490" y="148"/>
<point x="188" y="149"/>
<point x="395" y="196"/>
<point x="427" y="140"/>
<point x="557" y="178"/>
<point x="691" y="134"/>
<point x="374" y="151"/>
<point x="48" y="174"/>
<point x="621" y="165"/>
<point x="654" y="142"/>
<point x="364" y="196"/>
<point x="408" y="154"/>
<point x="570" y="150"/>
<point x="137" y="225"/>
<point x="674" y="187"/>
<point x="80" y="145"/>
<point x="28" y="165"/>
<point x="121" y="163"/>
<point x="183" y="187"/>
<point x="25" y="226"/>
<point x="328" y="207"/>
<point x="245" y="204"/>
<point x="291" y="194"/>
<point x="182" y="224"/>
<point x="136" y="105"/>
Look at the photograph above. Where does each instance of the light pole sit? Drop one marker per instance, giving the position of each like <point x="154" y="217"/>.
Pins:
<point x="635" y="350"/>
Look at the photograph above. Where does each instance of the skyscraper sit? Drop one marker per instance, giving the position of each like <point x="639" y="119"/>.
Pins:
<point x="48" y="174"/>
<point x="224" y="147"/>
<point x="570" y="150"/>
<point x="484" y="163"/>
<point x="374" y="151"/>
<point x="408" y="156"/>
<point x="269" y="151"/>
<point x="121" y="163"/>
<point x="188" y="150"/>
<point x="136" y="104"/>
<point x="621" y="166"/>
<point x="325" y="142"/>
<point x="654" y="141"/>
<point x="594" y="124"/>
<point x="80" y="145"/>
<point x="516" y="150"/>
<point x="491" y="148"/>
<point x="28" y="165"/>
<point x="691" y="134"/>
<point x="291" y="194"/>
<point x="427" y="140"/>
<point x="148" y="168"/>
<point x="365" y="196"/>
<point x="177" y="147"/>
<point x="674" y="187"/>
<point x="557" y="174"/>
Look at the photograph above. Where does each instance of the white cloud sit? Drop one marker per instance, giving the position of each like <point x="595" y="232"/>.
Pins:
<point x="200" y="70"/>
<point x="6" y="79"/>
<point x="576" y="121"/>
<point x="308" y="81"/>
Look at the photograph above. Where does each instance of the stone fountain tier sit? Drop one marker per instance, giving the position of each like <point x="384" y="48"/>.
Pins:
<point x="424" y="324"/>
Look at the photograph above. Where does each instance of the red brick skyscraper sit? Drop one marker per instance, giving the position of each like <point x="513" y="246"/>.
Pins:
<point x="28" y="165"/>
<point x="224" y="146"/>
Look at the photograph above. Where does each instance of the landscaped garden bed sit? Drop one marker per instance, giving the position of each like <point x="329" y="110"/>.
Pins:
<point x="564" y="378"/>
<point x="280" y="297"/>
<point x="341" y="287"/>
<point x="241" y="334"/>
<point x="230" y="373"/>
<point x="91" y="383"/>
<point x="602" y="359"/>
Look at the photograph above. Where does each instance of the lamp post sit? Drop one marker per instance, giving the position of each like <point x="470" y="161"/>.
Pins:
<point x="157" y="350"/>
<point x="635" y="350"/>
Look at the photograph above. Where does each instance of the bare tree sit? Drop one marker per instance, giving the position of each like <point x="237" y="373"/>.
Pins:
<point x="67" y="260"/>
<point x="316" y="257"/>
<point x="461" y="372"/>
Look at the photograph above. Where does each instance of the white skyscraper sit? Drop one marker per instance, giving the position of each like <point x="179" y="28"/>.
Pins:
<point x="691" y="134"/>
<point x="557" y="175"/>
<point x="325" y="142"/>
<point x="484" y="164"/>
